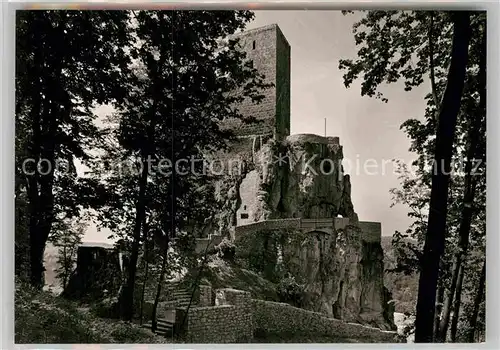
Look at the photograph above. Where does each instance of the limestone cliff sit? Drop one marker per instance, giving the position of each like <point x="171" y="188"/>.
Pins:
<point x="302" y="177"/>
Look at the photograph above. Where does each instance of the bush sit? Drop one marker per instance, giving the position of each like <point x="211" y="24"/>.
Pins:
<point x="290" y="292"/>
<point x="259" y="252"/>
<point x="106" y="308"/>
<point x="42" y="318"/>
<point x="226" y="249"/>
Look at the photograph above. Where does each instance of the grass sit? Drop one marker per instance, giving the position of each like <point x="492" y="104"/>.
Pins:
<point x="222" y="274"/>
<point x="43" y="318"/>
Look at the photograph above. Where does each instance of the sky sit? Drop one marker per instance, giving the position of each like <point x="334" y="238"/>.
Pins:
<point x="368" y="128"/>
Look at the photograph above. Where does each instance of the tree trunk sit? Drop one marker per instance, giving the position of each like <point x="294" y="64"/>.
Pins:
<point x="127" y="295"/>
<point x="477" y="304"/>
<point x="146" y="270"/>
<point x="40" y="226"/>
<point x="37" y="249"/>
<point x="456" y="307"/>
<point x="196" y="282"/>
<point x="435" y="236"/>
<point x="470" y="183"/>
<point x="36" y="243"/>
<point x="439" y="307"/>
<point x="45" y="118"/>
<point x="146" y="267"/>
<point x="65" y="267"/>
<point x="163" y="270"/>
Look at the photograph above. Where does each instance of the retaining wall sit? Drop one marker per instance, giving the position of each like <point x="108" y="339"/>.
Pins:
<point x="235" y="317"/>
<point x="369" y="231"/>
<point x="284" y="318"/>
<point x="228" y="322"/>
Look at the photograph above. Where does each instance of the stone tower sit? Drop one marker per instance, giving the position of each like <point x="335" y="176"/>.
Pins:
<point x="269" y="51"/>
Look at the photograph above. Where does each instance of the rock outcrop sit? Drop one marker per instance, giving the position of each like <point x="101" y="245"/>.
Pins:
<point x="298" y="176"/>
<point x="302" y="177"/>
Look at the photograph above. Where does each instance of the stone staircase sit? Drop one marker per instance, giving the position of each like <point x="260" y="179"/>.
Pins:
<point x="177" y="296"/>
<point x="164" y="327"/>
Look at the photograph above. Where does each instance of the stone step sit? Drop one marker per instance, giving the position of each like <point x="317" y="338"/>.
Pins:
<point x="162" y="321"/>
<point x="182" y="298"/>
<point x="164" y="327"/>
<point x="178" y="303"/>
<point x="160" y="328"/>
<point x="180" y="295"/>
<point x="173" y="285"/>
<point x="177" y="286"/>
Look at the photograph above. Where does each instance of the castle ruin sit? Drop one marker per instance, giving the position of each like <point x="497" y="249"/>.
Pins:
<point x="338" y="258"/>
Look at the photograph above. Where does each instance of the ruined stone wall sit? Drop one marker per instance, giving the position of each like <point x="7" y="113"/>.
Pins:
<point x="284" y="318"/>
<point x="371" y="231"/>
<point x="98" y="269"/>
<point x="213" y="324"/>
<point x="236" y="317"/>
<point x="266" y="225"/>
<point x="205" y="295"/>
<point x="290" y="223"/>
<point x="228" y="322"/>
<point x="283" y="65"/>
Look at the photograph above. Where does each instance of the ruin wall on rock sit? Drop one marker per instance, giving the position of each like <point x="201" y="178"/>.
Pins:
<point x="289" y="179"/>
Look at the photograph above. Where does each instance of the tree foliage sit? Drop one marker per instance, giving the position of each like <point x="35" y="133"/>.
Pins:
<point x="170" y="77"/>
<point x="414" y="47"/>
<point x="66" y="63"/>
<point x="183" y="76"/>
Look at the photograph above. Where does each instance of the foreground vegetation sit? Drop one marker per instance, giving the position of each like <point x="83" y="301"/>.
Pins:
<point x="43" y="318"/>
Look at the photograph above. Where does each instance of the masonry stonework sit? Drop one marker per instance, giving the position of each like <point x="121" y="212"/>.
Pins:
<point x="205" y="295"/>
<point x="236" y="318"/>
<point x="371" y="231"/>
<point x="296" y="184"/>
<point x="229" y="321"/>
<point x="283" y="318"/>
<point x="268" y="50"/>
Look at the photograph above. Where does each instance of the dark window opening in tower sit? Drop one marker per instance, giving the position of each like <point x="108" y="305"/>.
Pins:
<point x="244" y="207"/>
<point x="244" y="216"/>
<point x="253" y="45"/>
